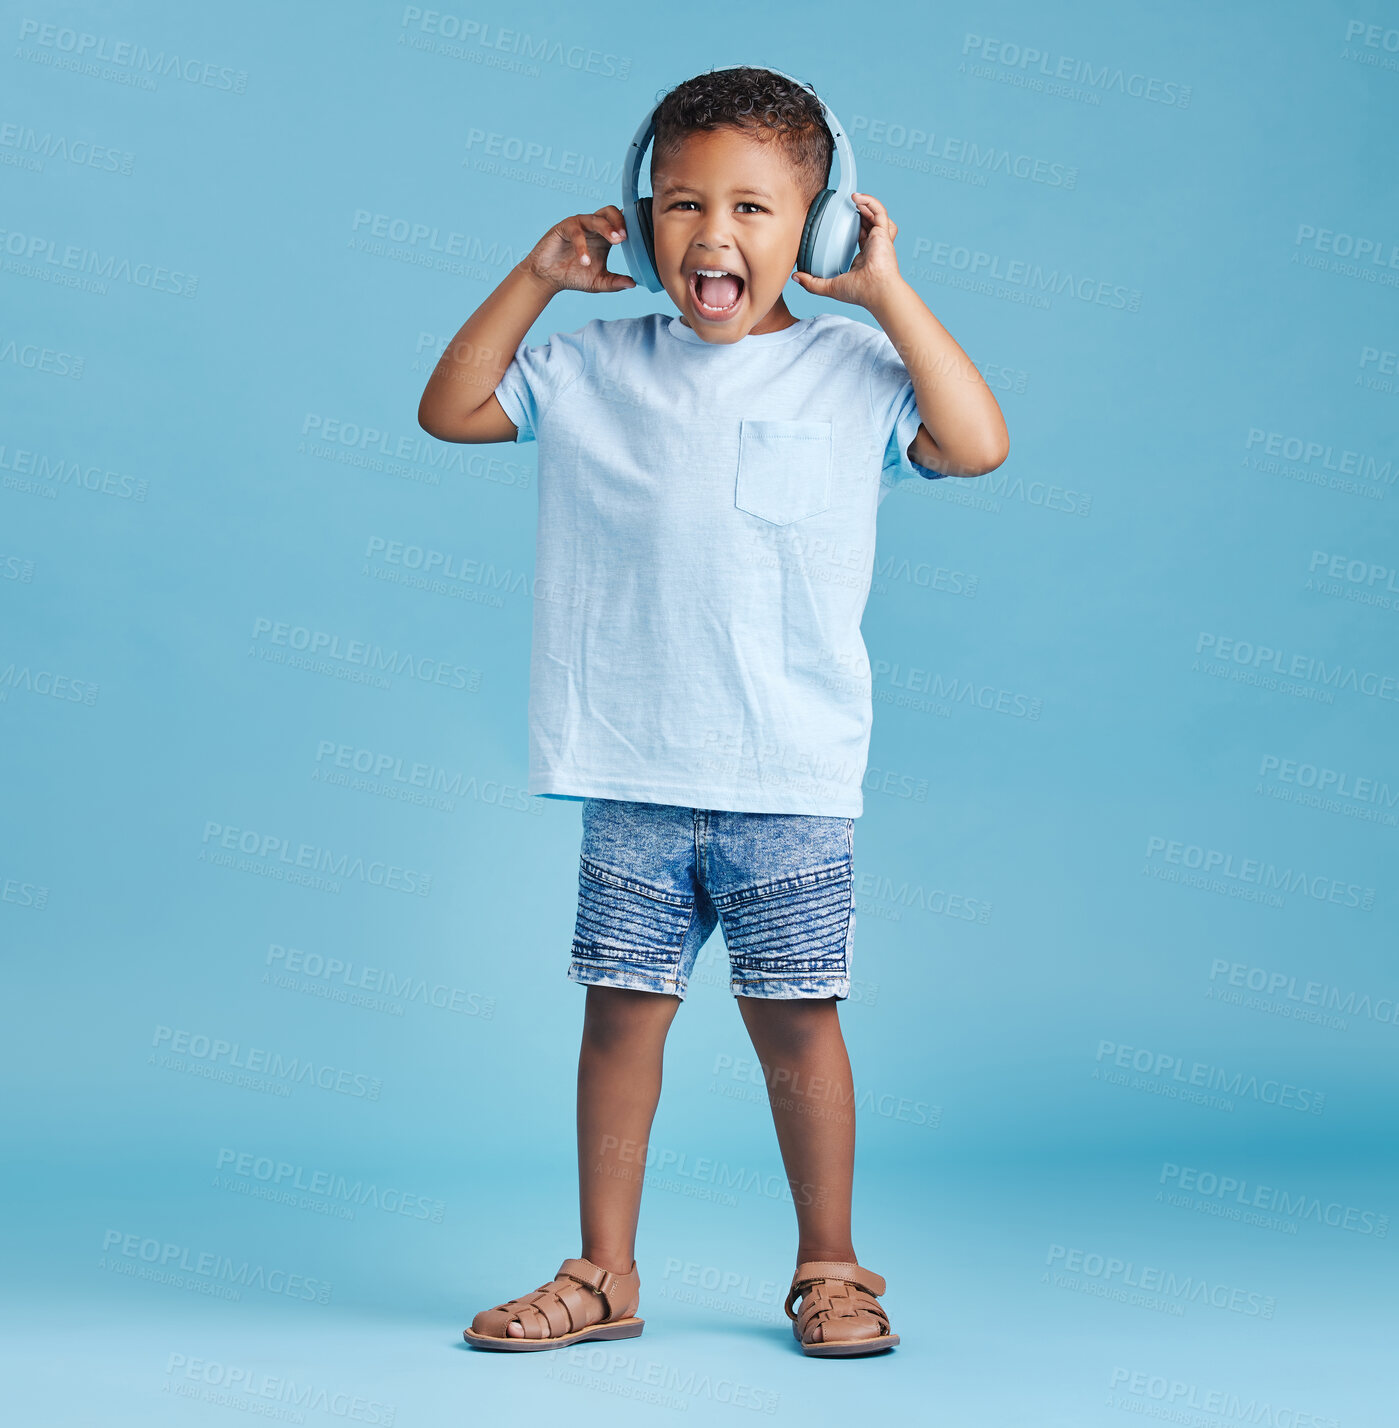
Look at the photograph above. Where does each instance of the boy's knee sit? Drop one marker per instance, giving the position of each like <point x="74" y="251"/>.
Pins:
<point x="789" y="1022"/>
<point x="616" y="1014"/>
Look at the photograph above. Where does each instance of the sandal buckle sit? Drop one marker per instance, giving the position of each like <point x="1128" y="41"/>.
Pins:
<point x="601" y="1281"/>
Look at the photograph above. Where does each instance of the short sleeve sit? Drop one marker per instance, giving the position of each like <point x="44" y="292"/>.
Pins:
<point x="894" y="407"/>
<point x="537" y="376"/>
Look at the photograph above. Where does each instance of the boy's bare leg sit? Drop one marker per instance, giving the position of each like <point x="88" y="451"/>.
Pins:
<point x="812" y="1096"/>
<point x="619" y="1084"/>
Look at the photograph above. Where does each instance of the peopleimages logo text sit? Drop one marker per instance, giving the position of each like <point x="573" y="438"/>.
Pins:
<point x="257" y="1060"/>
<point x="1165" y="1064"/>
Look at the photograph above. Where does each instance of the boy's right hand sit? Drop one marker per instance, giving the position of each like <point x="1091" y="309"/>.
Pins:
<point x="572" y="255"/>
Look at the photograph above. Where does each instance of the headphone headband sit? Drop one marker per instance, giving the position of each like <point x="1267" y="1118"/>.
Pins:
<point x="830" y="238"/>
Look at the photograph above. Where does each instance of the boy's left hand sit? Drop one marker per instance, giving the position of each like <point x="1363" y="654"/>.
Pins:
<point x="876" y="265"/>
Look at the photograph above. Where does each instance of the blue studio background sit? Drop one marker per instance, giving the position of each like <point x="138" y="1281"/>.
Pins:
<point x="1124" y="1019"/>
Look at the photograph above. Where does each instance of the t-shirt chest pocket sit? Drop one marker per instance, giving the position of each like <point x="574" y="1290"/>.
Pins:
<point x="784" y="469"/>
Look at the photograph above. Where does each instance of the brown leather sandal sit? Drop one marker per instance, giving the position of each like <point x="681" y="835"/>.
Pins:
<point x="839" y="1316"/>
<point x="555" y="1314"/>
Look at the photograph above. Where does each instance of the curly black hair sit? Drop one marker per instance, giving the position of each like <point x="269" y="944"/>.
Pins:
<point x="757" y="101"/>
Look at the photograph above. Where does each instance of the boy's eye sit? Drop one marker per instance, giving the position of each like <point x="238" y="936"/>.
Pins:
<point x="742" y="203"/>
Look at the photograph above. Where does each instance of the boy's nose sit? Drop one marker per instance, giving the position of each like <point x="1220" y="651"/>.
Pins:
<point x="713" y="233"/>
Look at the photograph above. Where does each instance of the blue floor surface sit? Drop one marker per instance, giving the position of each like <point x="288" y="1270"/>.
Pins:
<point x="1036" y="1295"/>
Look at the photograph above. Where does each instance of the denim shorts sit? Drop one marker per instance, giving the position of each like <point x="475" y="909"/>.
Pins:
<point x="655" y="879"/>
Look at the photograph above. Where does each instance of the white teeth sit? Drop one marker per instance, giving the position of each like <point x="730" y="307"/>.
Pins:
<point x="698" y="273"/>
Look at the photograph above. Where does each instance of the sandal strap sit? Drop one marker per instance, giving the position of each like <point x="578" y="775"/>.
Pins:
<point x="602" y="1282"/>
<point x="833" y="1303"/>
<point x="547" y="1312"/>
<point x="812" y="1272"/>
<point x="541" y="1315"/>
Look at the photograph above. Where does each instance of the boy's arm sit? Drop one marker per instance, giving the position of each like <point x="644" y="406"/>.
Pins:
<point x="968" y="433"/>
<point x="961" y="430"/>
<point x="459" y="401"/>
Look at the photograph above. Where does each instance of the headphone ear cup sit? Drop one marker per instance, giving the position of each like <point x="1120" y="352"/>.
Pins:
<point x="648" y="241"/>
<point x="807" y="246"/>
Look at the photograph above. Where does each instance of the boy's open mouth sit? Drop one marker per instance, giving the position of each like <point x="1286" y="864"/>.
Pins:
<point x="716" y="293"/>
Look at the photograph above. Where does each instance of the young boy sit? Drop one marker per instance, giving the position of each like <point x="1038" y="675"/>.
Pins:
<point x="708" y="486"/>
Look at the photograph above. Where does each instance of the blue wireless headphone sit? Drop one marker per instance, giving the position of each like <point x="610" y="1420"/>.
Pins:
<point x="830" y="238"/>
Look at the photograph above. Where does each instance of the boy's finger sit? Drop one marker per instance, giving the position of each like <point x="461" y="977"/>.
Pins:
<point x="603" y="226"/>
<point x="876" y="211"/>
<point x="598" y="226"/>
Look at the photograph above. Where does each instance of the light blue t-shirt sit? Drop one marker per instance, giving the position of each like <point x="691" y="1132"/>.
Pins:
<point x="704" y="553"/>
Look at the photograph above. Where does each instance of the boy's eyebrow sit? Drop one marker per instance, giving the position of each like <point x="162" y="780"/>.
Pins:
<point x="672" y="186"/>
